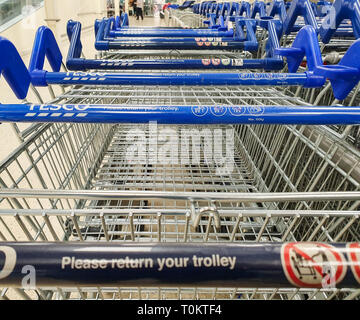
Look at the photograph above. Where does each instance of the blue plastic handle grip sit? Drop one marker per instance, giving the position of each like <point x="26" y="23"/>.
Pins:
<point x="174" y="114"/>
<point x="232" y="265"/>
<point x="178" y="45"/>
<point x="193" y="33"/>
<point x="200" y="79"/>
<point x="79" y="64"/>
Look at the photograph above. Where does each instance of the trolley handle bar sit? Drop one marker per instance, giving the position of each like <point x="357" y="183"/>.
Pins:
<point x="291" y="115"/>
<point x="259" y="265"/>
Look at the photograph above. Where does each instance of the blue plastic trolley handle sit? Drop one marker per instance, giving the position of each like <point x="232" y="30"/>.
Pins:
<point x="190" y="79"/>
<point x="172" y="33"/>
<point x="174" y="64"/>
<point x="343" y="76"/>
<point x="239" y="41"/>
<point x="176" y="44"/>
<point x="173" y="114"/>
<point x="260" y="265"/>
<point x="75" y="62"/>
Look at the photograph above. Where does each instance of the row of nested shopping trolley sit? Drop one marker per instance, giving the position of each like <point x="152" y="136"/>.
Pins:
<point x="216" y="162"/>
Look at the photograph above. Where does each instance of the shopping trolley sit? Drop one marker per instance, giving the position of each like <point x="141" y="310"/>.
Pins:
<point x="76" y="62"/>
<point x="184" y="18"/>
<point x="238" y="40"/>
<point x="340" y="11"/>
<point x="334" y="23"/>
<point x="221" y="30"/>
<point x="74" y="184"/>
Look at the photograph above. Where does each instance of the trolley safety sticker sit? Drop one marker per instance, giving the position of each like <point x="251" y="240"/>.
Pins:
<point x="210" y="42"/>
<point x="216" y="62"/>
<point x="206" y="62"/>
<point x="226" y="62"/>
<point x="199" y="111"/>
<point x="237" y="110"/>
<point x="256" y="110"/>
<point x="354" y="258"/>
<point x="238" y="62"/>
<point x="311" y="264"/>
<point x="218" y="111"/>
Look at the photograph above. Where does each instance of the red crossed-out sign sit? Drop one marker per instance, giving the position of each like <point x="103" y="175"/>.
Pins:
<point x="312" y="264"/>
<point x="354" y="258"/>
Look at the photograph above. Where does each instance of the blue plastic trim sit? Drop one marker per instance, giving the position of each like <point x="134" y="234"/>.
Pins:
<point x="342" y="9"/>
<point x="277" y="8"/>
<point x="97" y="26"/>
<point x="225" y="10"/>
<point x="125" y="20"/>
<point x="259" y="7"/>
<point x="74" y="35"/>
<point x="190" y="79"/>
<point x="346" y="74"/>
<point x="343" y="77"/>
<point x="168" y="114"/>
<point x="305" y="44"/>
<point x="117" y="22"/>
<point x="245" y="8"/>
<point x="299" y="8"/>
<point x="45" y="46"/>
<point x="13" y="69"/>
<point x="274" y="28"/>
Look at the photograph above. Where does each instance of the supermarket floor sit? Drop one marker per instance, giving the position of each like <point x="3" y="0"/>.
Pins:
<point x="9" y="140"/>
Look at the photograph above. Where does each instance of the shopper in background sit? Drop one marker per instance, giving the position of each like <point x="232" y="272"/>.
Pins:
<point x="133" y="6"/>
<point x="140" y="9"/>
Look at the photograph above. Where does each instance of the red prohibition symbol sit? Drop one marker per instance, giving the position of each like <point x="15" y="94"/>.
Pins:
<point x="312" y="264"/>
<point x="354" y="258"/>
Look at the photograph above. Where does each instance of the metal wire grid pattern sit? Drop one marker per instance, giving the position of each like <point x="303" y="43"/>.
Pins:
<point x="268" y="159"/>
<point x="182" y="95"/>
<point x="143" y="293"/>
<point x="185" y="18"/>
<point x="324" y="96"/>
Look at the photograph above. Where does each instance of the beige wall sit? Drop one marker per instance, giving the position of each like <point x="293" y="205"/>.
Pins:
<point x="55" y="15"/>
